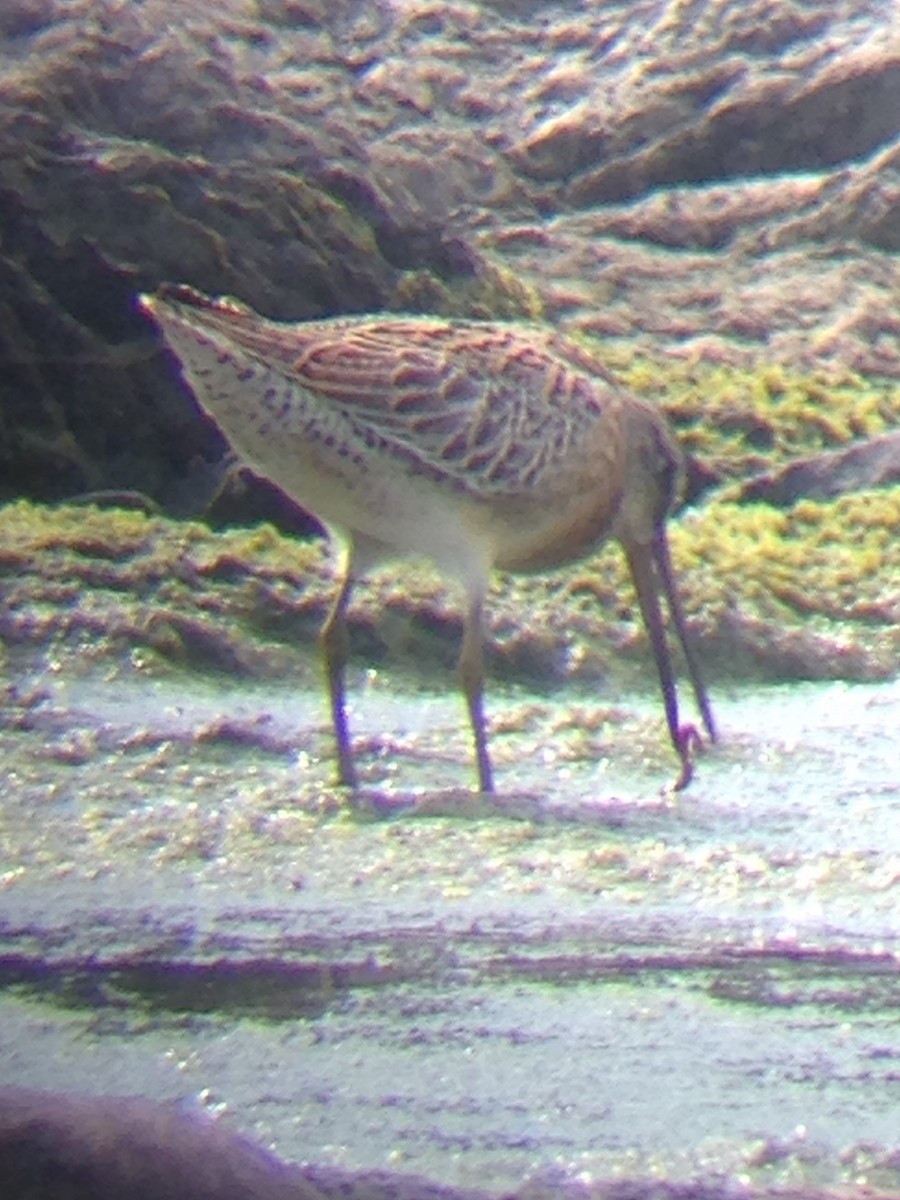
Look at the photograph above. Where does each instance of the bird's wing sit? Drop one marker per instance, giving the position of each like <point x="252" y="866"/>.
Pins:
<point x="493" y="404"/>
<point x="497" y="405"/>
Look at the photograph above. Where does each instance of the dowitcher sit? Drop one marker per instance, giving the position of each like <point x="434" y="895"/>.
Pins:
<point x="477" y="445"/>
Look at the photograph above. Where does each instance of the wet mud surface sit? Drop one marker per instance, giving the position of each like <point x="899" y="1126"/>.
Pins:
<point x="584" y="979"/>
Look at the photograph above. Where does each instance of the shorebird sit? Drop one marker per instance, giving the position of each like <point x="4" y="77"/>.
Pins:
<point x="478" y="445"/>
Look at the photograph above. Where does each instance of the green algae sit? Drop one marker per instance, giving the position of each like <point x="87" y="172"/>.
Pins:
<point x="109" y="579"/>
<point x="493" y="293"/>
<point x="807" y="592"/>
<point x="740" y="420"/>
<point x="811" y="592"/>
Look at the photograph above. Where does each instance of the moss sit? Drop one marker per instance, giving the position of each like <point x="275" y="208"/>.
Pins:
<point x="807" y="592"/>
<point x="493" y="293"/>
<point x="837" y="559"/>
<point x="742" y="420"/>
<point x="106" y="580"/>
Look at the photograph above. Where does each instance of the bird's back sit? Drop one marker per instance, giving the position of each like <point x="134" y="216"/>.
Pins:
<point x="406" y="428"/>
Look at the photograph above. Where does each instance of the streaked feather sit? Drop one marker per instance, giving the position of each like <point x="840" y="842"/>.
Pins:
<point x="497" y="406"/>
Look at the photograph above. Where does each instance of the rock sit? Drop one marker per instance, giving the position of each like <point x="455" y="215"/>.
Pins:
<point x="144" y="147"/>
<point x="59" y="1146"/>
<point x="713" y="182"/>
<point x="873" y="463"/>
<point x="55" y="1146"/>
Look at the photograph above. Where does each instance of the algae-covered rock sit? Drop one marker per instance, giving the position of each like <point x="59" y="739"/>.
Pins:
<point x="712" y="185"/>
<point x="808" y="592"/>
<point x="740" y="422"/>
<point x="144" y="143"/>
<point x="870" y="464"/>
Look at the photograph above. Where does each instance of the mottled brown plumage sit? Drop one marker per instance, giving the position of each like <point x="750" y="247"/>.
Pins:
<point x="478" y="445"/>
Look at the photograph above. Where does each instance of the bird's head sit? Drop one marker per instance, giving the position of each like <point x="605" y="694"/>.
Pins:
<point x="654" y="473"/>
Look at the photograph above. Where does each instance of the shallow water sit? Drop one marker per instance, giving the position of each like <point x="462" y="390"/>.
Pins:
<point x="588" y="978"/>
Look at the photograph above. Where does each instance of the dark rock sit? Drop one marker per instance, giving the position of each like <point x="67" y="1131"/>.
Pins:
<point x="869" y="464"/>
<point x="55" y="1146"/>
<point x="720" y="180"/>
<point x="59" y="1147"/>
<point x="18" y="18"/>
<point x="136" y="148"/>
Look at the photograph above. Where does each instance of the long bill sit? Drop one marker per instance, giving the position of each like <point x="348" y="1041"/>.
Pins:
<point x="663" y="560"/>
<point x="651" y="571"/>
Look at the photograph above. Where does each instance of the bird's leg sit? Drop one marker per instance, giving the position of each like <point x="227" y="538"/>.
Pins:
<point x="669" y="583"/>
<point x="335" y="648"/>
<point x="471" y="674"/>
<point x="644" y="574"/>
